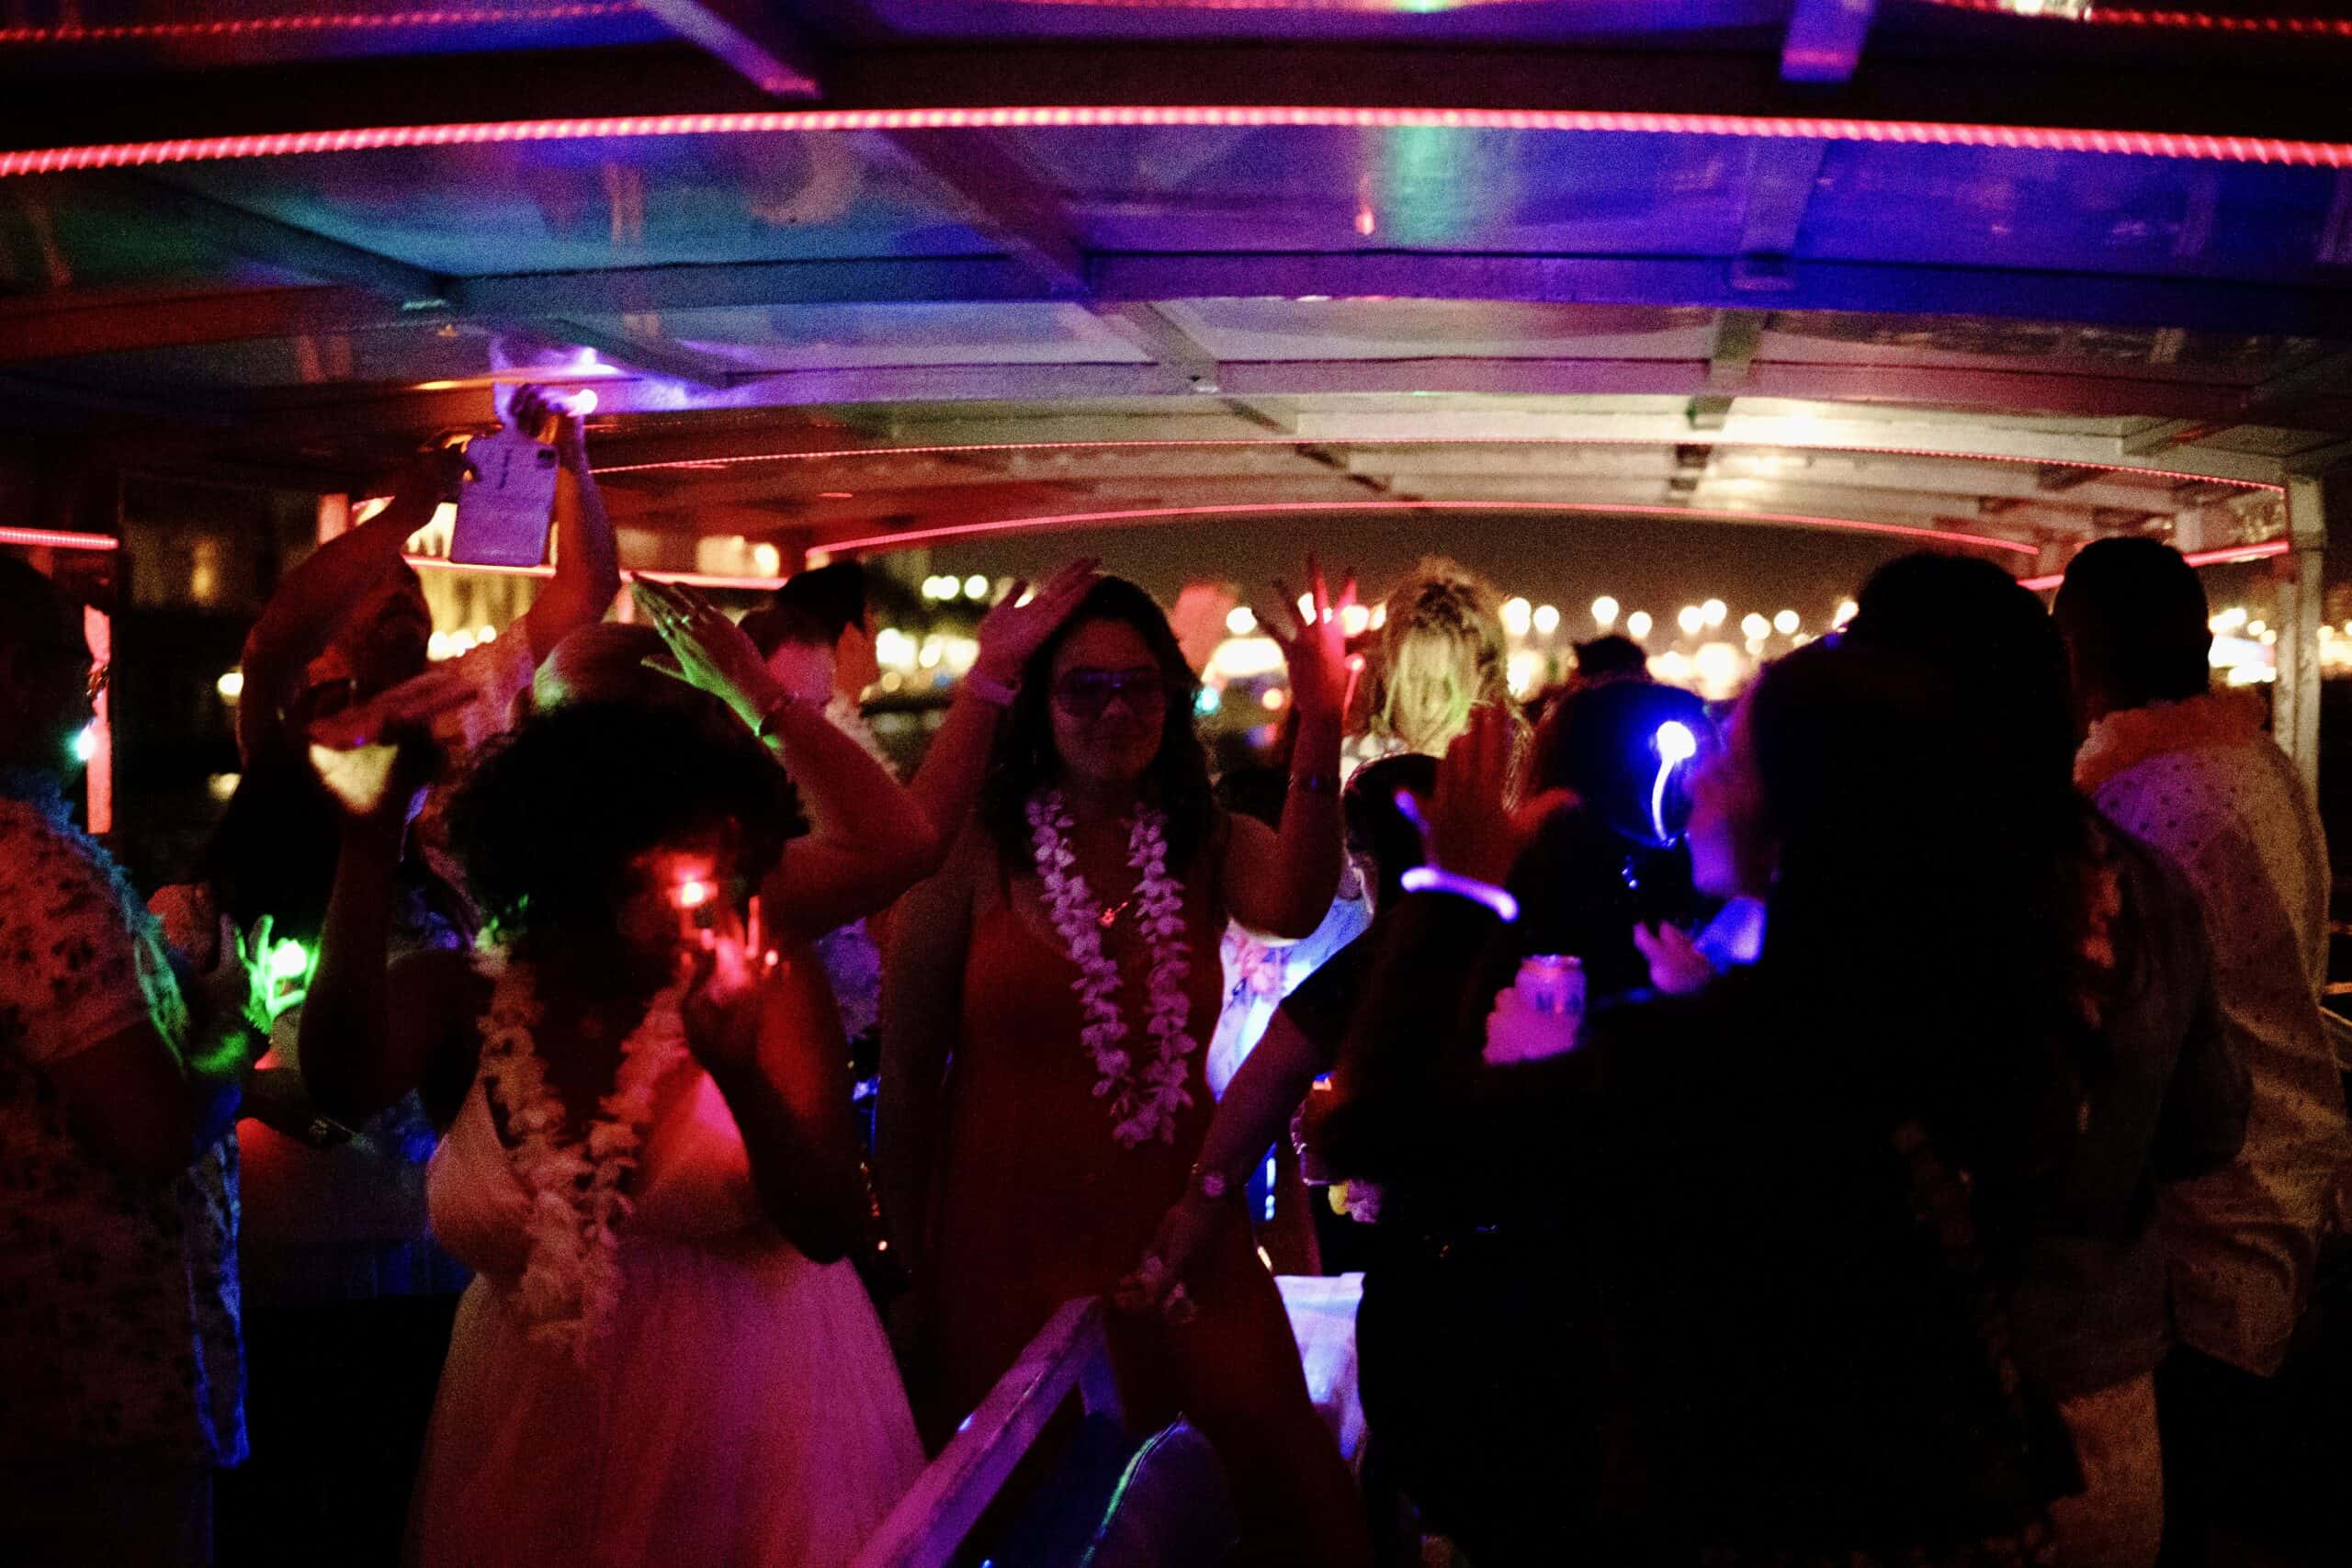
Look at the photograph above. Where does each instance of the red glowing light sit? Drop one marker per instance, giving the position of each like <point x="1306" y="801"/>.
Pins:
<point x="2059" y="139"/>
<point x="1552" y="508"/>
<point x="51" y="538"/>
<point x="841" y="454"/>
<point x="2195" y="558"/>
<point x="2194" y="21"/>
<point x="381" y="21"/>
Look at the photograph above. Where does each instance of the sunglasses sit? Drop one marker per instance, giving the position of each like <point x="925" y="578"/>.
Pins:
<point x="1086" y="694"/>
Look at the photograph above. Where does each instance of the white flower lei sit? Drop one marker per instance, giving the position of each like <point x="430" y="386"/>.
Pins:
<point x="1144" y="1105"/>
<point x="573" y="1275"/>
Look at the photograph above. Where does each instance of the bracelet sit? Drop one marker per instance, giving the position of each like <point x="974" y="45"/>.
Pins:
<point x="1316" y="784"/>
<point x="765" y="729"/>
<point x="1210" y="1184"/>
<point x="995" y="693"/>
<point x="1433" y="879"/>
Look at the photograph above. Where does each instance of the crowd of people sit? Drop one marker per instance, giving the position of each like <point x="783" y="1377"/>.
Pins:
<point x="1894" y="1124"/>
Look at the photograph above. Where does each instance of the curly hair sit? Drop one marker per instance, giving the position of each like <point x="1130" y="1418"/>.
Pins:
<point x="1442" y="654"/>
<point x="549" y="817"/>
<point x="1025" y="760"/>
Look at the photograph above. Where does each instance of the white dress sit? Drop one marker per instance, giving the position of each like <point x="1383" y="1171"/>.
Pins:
<point x="742" y="1408"/>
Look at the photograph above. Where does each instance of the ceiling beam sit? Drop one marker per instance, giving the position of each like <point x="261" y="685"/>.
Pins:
<point x="67" y="325"/>
<point x="1007" y="200"/>
<point x="1825" y="41"/>
<point x="1730" y="348"/>
<point x="752" y="37"/>
<point x="1152" y="330"/>
<point x="258" y="237"/>
<point x="1900" y="288"/>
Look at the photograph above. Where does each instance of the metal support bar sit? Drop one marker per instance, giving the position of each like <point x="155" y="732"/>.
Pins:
<point x="1825" y="41"/>
<point x="2295" y="696"/>
<point x="751" y="37"/>
<point x="1149" y="328"/>
<point x="1008" y="202"/>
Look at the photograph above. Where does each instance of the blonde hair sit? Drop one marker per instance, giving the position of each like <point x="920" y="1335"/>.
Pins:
<point x="1440" y="655"/>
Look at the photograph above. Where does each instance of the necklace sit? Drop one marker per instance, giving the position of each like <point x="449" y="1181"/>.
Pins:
<point x="571" y="1277"/>
<point x="1143" y="1103"/>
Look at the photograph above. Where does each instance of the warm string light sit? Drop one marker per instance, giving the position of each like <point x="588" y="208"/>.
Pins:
<point x="2221" y="557"/>
<point x="2196" y="147"/>
<point x="1159" y="514"/>
<point x="981" y="448"/>
<point x="334" y="22"/>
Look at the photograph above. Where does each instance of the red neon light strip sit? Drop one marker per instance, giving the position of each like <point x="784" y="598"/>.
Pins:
<point x="381" y="21"/>
<point x="972" y="448"/>
<point x="2195" y="21"/>
<point x="1158" y="514"/>
<point x="2195" y="558"/>
<point x="691" y="578"/>
<point x="50" y="539"/>
<point x="2136" y="143"/>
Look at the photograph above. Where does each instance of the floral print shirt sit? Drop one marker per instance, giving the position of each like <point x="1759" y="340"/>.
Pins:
<point x="119" y="1298"/>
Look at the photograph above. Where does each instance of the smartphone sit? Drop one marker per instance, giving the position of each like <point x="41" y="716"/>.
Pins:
<point x="504" y="513"/>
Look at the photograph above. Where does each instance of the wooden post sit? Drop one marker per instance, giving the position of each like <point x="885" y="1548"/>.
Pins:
<point x="2295" y="697"/>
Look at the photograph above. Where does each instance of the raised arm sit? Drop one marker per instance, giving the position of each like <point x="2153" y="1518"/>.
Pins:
<point x="1279" y="882"/>
<point x="587" y="561"/>
<point x="359" y="1052"/>
<point x="311" y="601"/>
<point x="771" y="1040"/>
<point x="867" y="843"/>
<point x="923" y="999"/>
<point x="949" y="783"/>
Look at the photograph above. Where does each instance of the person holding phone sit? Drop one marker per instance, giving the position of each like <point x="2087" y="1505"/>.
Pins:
<point x="664" y="1352"/>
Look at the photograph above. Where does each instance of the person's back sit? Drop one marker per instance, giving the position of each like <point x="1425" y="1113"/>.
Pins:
<point x="2192" y="774"/>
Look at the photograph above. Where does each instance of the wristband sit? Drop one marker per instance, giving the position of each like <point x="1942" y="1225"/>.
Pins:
<point x="1433" y="879"/>
<point x="765" y="728"/>
<point x="995" y="693"/>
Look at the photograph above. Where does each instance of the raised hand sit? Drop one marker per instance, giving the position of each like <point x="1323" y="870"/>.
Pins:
<point x="1316" y="650"/>
<point x="1011" y="632"/>
<point x="1677" y="967"/>
<point x="709" y="651"/>
<point x="373" y="758"/>
<point x="722" y="1003"/>
<point x="535" y="407"/>
<point x="238" y="984"/>
<point x="1472" y="828"/>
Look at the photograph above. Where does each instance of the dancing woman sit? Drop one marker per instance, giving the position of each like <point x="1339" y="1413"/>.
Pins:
<point x="1065" y="962"/>
<point x="654" y="1171"/>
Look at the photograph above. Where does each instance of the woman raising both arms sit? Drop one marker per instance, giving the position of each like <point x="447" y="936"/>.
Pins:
<point x="1065" y="961"/>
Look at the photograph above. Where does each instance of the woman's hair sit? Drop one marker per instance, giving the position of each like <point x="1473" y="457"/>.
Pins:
<point x="1440" y="654"/>
<point x="812" y="609"/>
<point x="274" y="851"/>
<point x="1025" y="760"/>
<point x="551" y="815"/>
<point x="1376" y="830"/>
<point x="1920" y="932"/>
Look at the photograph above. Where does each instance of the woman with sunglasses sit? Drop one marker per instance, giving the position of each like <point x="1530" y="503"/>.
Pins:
<point x="1065" y="962"/>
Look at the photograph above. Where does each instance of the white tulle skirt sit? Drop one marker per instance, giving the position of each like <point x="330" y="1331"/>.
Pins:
<point x="744" y="1410"/>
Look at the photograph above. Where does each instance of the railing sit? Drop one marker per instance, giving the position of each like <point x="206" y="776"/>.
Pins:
<point x="955" y="1489"/>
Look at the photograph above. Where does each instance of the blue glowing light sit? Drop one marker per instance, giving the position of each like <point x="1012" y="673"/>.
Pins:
<point x="1207" y="703"/>
<point x="85" y="743"/>
<point x="1676" y="745"/>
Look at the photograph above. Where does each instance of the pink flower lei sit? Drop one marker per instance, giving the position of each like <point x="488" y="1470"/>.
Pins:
<point x="575" y="1187"/>
<point x="1144" y="1101"/>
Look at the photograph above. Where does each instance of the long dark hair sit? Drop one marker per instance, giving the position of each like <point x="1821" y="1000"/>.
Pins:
<point x="273" y="851"/>
<point x="1025" y="760"/>
<point x="1916" y="933"/>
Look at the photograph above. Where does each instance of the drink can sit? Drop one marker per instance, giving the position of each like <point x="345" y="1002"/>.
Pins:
<point x="1551" y="984"/>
